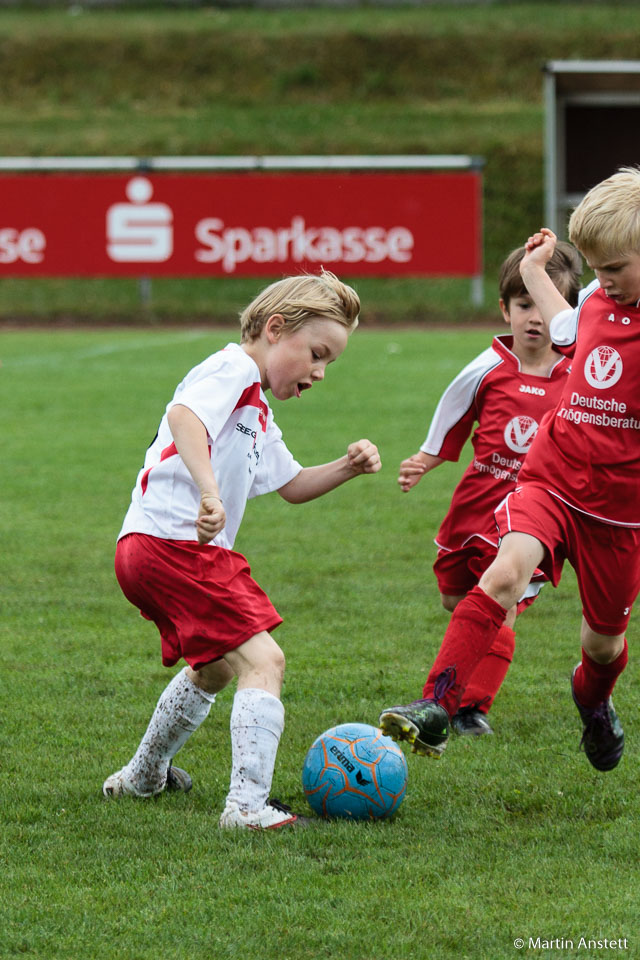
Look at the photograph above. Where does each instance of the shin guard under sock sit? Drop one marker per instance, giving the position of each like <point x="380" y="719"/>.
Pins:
<point x="257" y="722"/>
<point x="181" y="709"/>
<point x="472" y="630"/>
<point x="489" y="675"/>
<point x="594" y="682"/>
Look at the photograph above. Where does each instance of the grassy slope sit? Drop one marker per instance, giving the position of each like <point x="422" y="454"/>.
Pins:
<point x="435" y="79"/>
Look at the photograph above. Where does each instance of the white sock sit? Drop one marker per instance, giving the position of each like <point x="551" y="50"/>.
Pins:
<point x="257" y="722"/>
<point x="181" y="709"/>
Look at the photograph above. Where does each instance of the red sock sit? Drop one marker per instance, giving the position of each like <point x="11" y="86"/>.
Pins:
<point x="473" y="628"/>
<point x="594" y="682"/>
<point x="488" y="676"/>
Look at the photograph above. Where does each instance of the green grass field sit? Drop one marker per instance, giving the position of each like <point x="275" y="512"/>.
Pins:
<point x="510" y="836"/>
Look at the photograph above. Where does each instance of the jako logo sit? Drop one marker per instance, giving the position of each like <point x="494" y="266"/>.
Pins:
<point x="603" y="367"/>
<point x="519" y="433"/>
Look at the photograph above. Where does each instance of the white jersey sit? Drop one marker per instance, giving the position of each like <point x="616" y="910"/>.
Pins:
<point x="248" y="454"/>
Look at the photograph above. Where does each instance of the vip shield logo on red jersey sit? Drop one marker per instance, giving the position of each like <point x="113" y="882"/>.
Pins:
<point x="519" y="433"/>
<point x="603" y="367"/>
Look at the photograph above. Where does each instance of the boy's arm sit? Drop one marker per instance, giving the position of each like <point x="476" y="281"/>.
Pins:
<point x="312" y="482"/>
<point x="539" y="284"/>
<point x="190" y="438"/>
<point x="451" y="424"/>
<point x="414" y="468"/>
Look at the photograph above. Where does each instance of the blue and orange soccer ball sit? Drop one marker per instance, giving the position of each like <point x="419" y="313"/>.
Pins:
<point x="354" y="772"/>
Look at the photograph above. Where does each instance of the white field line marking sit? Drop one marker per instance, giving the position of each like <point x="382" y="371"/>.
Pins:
<point x="60" y="359"/>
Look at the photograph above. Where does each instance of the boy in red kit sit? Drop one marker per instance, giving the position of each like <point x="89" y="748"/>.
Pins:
<point x="506" y="390"/>
<point x="577" y="495"/>
<point x="217" y="446"/>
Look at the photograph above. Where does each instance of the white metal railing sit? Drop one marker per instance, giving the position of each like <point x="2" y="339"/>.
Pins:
<point x="338" y="162"/>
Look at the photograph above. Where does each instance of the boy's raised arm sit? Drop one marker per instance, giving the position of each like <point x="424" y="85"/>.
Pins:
<point x="541" y="287"/>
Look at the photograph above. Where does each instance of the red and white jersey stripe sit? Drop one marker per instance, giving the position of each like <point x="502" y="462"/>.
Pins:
<point x="508" y="406"/>
<point x="248" y="454"/>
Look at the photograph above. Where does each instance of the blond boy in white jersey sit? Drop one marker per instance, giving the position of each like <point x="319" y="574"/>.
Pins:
<point x="216" y="447"/>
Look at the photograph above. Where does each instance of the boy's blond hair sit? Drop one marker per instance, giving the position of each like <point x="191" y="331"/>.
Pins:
<point x="606" y="223"/>
<point x="564" y="268"/>
<point x="299" y="300"/>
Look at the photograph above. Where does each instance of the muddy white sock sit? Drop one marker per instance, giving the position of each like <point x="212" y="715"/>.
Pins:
<point x="257" y="722"/>
<point x="181" y="709"/>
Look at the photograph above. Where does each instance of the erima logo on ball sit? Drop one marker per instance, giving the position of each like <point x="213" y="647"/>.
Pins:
<point x="340" y="757"/>
<point x="346" y="763"/>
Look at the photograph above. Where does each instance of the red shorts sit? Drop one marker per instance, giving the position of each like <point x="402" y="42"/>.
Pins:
<point x="458" y="571"/>
<point x="202" y="599"/>
<point x="605" y="557"/>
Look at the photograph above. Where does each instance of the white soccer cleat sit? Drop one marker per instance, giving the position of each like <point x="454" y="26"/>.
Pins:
<point x="272" y="816"/>
<point x="119" y="785"/>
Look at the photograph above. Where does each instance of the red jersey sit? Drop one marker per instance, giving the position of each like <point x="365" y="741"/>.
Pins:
<point x="587" y="452"/>
<point x="508" y="406"/>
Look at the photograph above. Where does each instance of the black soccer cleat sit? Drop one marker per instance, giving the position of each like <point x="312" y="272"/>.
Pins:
<point x="602" y="735"/>
<point x="471" y="722"/>
<point x="424" y="724"/>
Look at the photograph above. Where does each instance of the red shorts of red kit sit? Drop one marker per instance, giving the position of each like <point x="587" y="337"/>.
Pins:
<point x="202" y="599"/>
<point x="458" y="571"/>
<point x="605" y="557"/>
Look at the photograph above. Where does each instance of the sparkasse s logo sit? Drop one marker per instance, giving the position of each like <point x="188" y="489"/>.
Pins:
<point x="603" y="367"/>
<point x="139" y="231"/>
<point x="519" y="433"/>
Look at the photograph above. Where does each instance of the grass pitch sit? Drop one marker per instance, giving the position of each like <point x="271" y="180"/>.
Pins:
<point x="511" y="836"/>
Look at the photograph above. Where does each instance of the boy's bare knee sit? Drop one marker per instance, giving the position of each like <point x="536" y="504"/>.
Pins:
<point x="450" y="602"/>
<point x="213" y="677"/>
<point x="601" y="647"/>
<point x="507" y="577"/>
<point x="278" y="664"/>
<point x="258" y="663"/>
<point x="504" y="583"/>
<point x="273" y="664"/>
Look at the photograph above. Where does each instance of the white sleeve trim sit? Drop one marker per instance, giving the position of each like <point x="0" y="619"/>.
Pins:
<point x="564" y="326"/>
<point x="457" y="399"/>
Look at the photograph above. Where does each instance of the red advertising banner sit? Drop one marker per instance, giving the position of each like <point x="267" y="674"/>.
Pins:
<point x="216" y="224"/>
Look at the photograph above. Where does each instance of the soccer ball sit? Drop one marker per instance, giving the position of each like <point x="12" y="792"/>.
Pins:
<point x="353" y="771"/>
